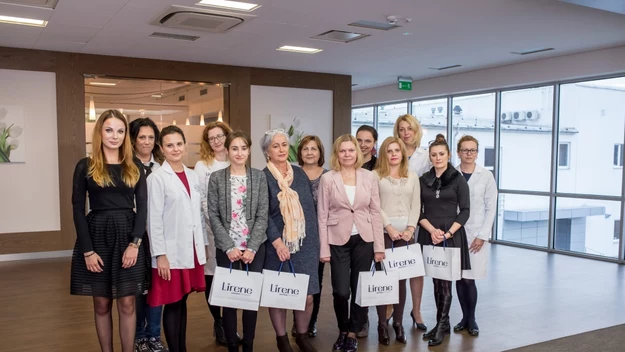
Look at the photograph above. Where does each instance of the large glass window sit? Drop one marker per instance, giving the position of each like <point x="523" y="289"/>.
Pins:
<point x="587" y="226"/>
<point x="387" y="115"/>
<point x="362" y="116"/>
<point x="523" y="219"/>
<point x="592" y="117"/>
<point x="474" y="115"/>
<point x="526" y="123"/>
<point x="432" y="114"/>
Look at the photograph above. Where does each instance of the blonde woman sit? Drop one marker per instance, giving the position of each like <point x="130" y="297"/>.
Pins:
<point x="107" y="263"/>
<point x="213" y="157"/>
<point x="409" y="130"/>
<point x="400" y="205"/>
<point x="350" y="231"/>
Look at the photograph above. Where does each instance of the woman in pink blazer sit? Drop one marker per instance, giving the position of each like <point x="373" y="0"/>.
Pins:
<point x="349" y="194"/>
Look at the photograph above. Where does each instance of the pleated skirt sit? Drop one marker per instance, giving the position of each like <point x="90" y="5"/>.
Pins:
<point x="110" y="233"/>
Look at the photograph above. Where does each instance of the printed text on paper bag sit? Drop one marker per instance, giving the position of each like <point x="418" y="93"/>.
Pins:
<point x="284" y="291"/>
<point x="437" y="263"/>
<point x="226" y="286"/>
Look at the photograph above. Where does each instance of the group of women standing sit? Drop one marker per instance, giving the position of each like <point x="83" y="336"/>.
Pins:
<point x="224" y="213"/>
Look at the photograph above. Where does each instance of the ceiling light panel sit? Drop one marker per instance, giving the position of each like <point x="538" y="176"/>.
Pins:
<point x="103" y="84"/>
<point x="231" y="5"/>
<point x="23" y="21"/>
<point x="299" y="49"/>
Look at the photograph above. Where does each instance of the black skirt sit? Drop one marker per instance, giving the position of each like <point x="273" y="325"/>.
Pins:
<point x="110" y="233"/>
<point x="458" y="241"/>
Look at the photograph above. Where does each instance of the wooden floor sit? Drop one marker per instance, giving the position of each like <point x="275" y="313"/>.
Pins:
<point x="529" y="297"/>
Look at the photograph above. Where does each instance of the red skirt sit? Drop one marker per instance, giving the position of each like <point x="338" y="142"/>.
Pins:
<point x="183" y="281"/>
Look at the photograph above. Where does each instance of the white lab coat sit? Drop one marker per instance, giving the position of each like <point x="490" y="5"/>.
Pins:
<point x="175" y="219"/>
<point x="483" y="200"/>
<point x="420" y="162"/>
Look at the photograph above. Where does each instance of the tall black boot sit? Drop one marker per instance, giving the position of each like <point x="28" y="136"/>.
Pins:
<point x="443" y="323"/>
<point x="437" y="299"/>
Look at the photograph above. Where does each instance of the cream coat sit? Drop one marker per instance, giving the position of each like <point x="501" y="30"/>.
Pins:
<point x="175" y="218"/>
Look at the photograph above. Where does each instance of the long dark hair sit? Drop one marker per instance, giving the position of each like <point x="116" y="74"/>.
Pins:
<point x="135" y="127"/>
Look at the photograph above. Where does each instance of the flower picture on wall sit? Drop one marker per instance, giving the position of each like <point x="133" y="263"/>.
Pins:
<point x="12" y="148"/>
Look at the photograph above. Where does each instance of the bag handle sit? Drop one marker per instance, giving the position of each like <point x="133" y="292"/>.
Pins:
<point x="290" y="265"/>
<point x="373" y="267"/>
<point x="393" y="246"/>
<point x="444" y="244"/>
<point x="247" y="268"/>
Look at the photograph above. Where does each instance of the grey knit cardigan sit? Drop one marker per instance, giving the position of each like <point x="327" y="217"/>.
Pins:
<point x="219" y="198"/>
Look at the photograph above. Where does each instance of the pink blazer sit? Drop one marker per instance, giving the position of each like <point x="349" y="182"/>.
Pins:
<point x="336" y="216"/>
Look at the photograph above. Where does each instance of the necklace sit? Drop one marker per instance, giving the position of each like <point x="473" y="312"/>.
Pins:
<point x="438" y="193"/>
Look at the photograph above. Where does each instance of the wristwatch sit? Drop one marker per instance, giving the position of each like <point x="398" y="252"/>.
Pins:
<point x="136" y="242"/>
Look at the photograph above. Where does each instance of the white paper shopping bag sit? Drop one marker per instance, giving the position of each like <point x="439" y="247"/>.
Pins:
<point x="377" y="288"/>
<point x="284" y="290"/>
<point x="407" y="261"/>
<point x="479" y="264"/>
<point x="239" y="289"/>
<point x="442" y="262"/>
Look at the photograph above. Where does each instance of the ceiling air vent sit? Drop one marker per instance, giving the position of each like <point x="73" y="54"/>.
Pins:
<point x="444" y="68"/>
<point x="192" y="19"/>
<point x="381" y="26"/>
<point x="174" y="36"/>
<point x="340" y="36"/>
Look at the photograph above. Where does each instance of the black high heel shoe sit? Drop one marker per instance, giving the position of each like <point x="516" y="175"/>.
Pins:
<point x="420" y="326"/>
<point x="461" y="325"/>
<point x="400" y="335"/>
<point x="473" y="329"/>
<point x="383" y="337"/>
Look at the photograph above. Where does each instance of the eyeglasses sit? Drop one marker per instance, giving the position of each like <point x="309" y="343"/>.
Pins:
<point x="216" y="138"/>
<point x="275" y="130"/>
<point x="468" y="151"/>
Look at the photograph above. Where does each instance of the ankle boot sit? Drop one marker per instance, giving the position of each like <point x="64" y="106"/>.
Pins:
<point x="383" y="338"/>
<point x="303" y="343"/>
<point x="283" y="343"/>
<point x="218" y="332"/>
<point x="248" y="346"/>
<point x="400" y="335"/>
<point x="443" y="324"/>
<point x="312" y="328"/>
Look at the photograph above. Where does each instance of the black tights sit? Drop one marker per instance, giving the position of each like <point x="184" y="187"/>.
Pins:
<point x="398" y="309"/>
<point x="215" y="310"/>
<point x="467" y="295"/>
<point x="175" y="325"/>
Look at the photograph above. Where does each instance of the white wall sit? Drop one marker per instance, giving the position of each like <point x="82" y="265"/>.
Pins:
<point x="272" y="106"/>
<point x="592" y="63"/>
<point x="30" y="191"/>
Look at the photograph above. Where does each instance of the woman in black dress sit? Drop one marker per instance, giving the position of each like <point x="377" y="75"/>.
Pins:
<point x="107" y="263"/>
<point x="445" y="210"/>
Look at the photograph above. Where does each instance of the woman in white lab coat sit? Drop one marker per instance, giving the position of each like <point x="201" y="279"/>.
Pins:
<point x="213" y="157"/>
<point x="177" y="237"/>
<point x="483" y="191"/>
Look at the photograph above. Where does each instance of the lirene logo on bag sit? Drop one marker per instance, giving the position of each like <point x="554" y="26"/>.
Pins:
<point x="283" y="291"/>
<point x="237" y="290"/>
<point x="392" y="264"/>
<point x="437" y="263"/>
<point x="379" y="289"/>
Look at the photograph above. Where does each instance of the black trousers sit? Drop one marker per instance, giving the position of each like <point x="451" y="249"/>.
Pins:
<point x="346" y="262"/>
<point x="317" y="296"/>
<point x="230" y="314"/>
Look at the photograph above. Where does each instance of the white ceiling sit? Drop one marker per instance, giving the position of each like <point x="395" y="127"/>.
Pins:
<point x="474" y="33"/>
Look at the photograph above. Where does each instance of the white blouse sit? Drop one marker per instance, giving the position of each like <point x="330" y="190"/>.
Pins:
<point x="351" y="195"/>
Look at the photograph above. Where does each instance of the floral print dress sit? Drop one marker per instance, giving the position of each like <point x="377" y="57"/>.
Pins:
<point x="239" y="231"/>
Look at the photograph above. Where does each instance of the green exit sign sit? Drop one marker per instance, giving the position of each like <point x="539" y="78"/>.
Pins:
<point x="404" y="85"/>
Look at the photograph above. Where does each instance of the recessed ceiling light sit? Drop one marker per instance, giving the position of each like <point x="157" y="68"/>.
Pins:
<point x="227" y="4"/>
<point x="23" y="21"/>
<point x="105" y="84"/>
<point x="299" y="49"/>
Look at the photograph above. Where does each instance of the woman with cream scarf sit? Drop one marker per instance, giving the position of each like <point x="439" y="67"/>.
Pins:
<point x="291" y="232"/>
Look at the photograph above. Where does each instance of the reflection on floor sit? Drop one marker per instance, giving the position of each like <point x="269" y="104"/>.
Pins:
<point x="528" y="297"/>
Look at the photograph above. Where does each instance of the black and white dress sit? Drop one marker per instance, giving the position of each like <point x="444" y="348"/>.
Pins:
<point x="108" y="229"/>
<point x="445" y="200"/>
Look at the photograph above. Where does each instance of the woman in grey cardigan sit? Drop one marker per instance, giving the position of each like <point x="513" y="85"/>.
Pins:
<point x="237" y="210"/>
<point x="292" y="233"/>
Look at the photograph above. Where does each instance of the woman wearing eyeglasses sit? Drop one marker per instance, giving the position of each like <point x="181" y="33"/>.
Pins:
<point x="483" y="190"/>
<point x="292" y="233"/>
<point x="213" y="157"/>
<point x="409" y="130"/>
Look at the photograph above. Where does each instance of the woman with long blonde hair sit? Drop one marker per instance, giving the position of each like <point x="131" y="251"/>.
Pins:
<point x="409" y="130"/>
<point x="107" y="263"/>
<point x="400" y="206"/>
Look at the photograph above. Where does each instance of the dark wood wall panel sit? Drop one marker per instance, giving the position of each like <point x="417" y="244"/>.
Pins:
<point x="70" y="69"/>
